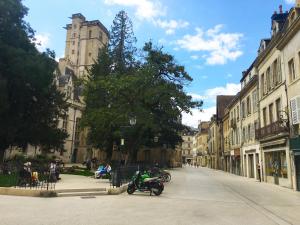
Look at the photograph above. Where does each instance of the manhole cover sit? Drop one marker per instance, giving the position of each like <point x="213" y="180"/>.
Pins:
<point x="87" y="197"/>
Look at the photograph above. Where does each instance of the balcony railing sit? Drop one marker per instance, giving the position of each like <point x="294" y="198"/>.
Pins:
<point x="272" y="129"/>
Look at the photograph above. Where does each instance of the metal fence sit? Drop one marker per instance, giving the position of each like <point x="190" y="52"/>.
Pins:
<point x="13" y="174"/>
<point x="122" y="174"/>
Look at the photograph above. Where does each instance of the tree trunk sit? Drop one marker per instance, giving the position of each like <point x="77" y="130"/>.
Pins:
<point x="2" y="155"/>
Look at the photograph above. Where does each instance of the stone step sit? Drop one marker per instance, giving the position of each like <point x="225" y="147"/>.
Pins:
<point x="81" y="190"/>
<point x="81" y="194"/>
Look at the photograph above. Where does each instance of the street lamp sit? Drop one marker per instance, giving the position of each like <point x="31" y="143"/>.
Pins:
<point x="132" y="120"/>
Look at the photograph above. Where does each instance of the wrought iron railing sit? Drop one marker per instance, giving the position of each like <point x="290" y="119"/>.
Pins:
<point x="269" y="130"/>
<point x="13" y="174"/>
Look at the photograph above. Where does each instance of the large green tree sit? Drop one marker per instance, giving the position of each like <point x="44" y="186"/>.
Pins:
<point x="30" y="104"/>
<point x="121" y="43"/>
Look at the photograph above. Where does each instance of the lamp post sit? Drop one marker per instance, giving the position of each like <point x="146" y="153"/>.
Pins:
<point x="132" y="122"/>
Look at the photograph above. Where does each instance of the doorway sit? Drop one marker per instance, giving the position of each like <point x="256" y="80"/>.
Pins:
<point x="297" y="165"/>
<point x="251" y="165"/>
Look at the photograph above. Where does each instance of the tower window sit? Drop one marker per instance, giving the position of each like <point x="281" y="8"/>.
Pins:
<point x="90" y="34"/>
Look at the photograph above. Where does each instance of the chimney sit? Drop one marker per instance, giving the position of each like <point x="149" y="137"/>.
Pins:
<point x="280" y="9"/>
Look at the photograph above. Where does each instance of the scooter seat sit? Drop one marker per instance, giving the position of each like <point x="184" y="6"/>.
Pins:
<point x="150" y="179"/>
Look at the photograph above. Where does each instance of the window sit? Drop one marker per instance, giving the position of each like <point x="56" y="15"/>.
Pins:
<point x="238" y="113"/>
<point x="279" y="70"/>
<point x="292" y="70"/>
<point x="73" y="42"/>
<point x="234" y="113"/>
<point x="254" y="101"/>
<point x="74" y="35"/>
<point x="268" y="76"/>
<point x="77" y="130"/>
<point x="271" y="117"/>
<point x="90" y="54"/>
<point x="248" y="106"/>
<point x="265" y="117"/>
<point x="262" y="84"/>
<point x="275" y="73"/>
<point x="278" y="108"/>
<point x="243" y="110"/>
<point x="90" y="34"/>
<point x="74" y="26"/>
<point x="73" y="51"/>
<point x="100" y="36"/>
<point x="244" y="135"/>
<point x="249" y="133"/>
<point x="65" y="123"/>
<point x="298" y="64"/>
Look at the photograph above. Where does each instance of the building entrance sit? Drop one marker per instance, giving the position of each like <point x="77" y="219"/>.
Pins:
<point x="297" y="165"/>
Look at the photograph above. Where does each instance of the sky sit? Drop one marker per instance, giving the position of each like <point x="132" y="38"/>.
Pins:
<point x="214" y="39"/>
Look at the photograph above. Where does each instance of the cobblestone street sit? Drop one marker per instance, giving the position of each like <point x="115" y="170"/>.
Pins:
<point x="194" y="196"/>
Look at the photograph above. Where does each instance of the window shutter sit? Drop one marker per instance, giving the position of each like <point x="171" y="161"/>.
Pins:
<point x="279" y="74"/>
<point x="298" y="109"/>
<point x="271" y="77"/>
<point x="295" y="110"/>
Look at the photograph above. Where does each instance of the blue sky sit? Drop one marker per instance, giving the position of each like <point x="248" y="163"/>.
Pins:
<point x="214" y="39"/>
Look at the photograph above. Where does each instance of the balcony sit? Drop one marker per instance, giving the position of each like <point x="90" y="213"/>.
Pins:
<point x="272" y="129"/>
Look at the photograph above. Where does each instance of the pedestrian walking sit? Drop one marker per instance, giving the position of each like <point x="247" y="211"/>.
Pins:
<point x="258" y="171"/>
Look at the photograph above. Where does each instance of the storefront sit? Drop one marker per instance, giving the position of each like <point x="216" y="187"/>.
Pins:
<point x="276" y="160"/>
<point x="251" y="161"/>
<point x="295" y="150"/>
<point x="235" y="161"/>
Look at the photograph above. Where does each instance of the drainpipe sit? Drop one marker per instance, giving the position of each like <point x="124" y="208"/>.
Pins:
<point x="73" y="134"/>
<point x="291" y="156"/>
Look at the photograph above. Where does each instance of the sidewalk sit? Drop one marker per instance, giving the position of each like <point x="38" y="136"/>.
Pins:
<point x="80" y="182"/>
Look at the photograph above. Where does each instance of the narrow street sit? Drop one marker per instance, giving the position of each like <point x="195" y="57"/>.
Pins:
<point x="194" y="196"/>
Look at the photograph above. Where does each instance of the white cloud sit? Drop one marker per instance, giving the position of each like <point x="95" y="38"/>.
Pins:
<point x="221" y="47"/>
<point x="171" y="25"/>
<point x="290" y="2"/>
<point x="42" y="41"/>
<point x="228" y="89"/>
<point x="197" y="96"/>
<point x="197" y="115"/>
<point x="144" y="9"/>
<point x="194" y="57"/>
<point x="210" y="98"/>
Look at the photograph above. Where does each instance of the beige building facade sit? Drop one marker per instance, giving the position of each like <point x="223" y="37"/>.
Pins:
<point x="250" y="151"/>
<point x="289" y="46"/>
<point x="272" y="134"/>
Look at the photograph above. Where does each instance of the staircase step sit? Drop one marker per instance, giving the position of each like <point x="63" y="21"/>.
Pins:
<point x="81" y="190"/>
<point x="80" y="194"/>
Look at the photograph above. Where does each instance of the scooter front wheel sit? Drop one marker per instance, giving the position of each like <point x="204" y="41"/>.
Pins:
<point x="157" y="189"/>
<point x="130" y="189"/>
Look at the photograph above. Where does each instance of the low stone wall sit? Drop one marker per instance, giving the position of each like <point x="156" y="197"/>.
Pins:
<point x="117" y="191"/>
<point x="26" y="192"/>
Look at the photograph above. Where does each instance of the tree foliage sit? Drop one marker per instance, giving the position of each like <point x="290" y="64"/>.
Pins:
<point x="30" y="104"/>
<point x="122" y="42"/>
<point x="152" y="92"/>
